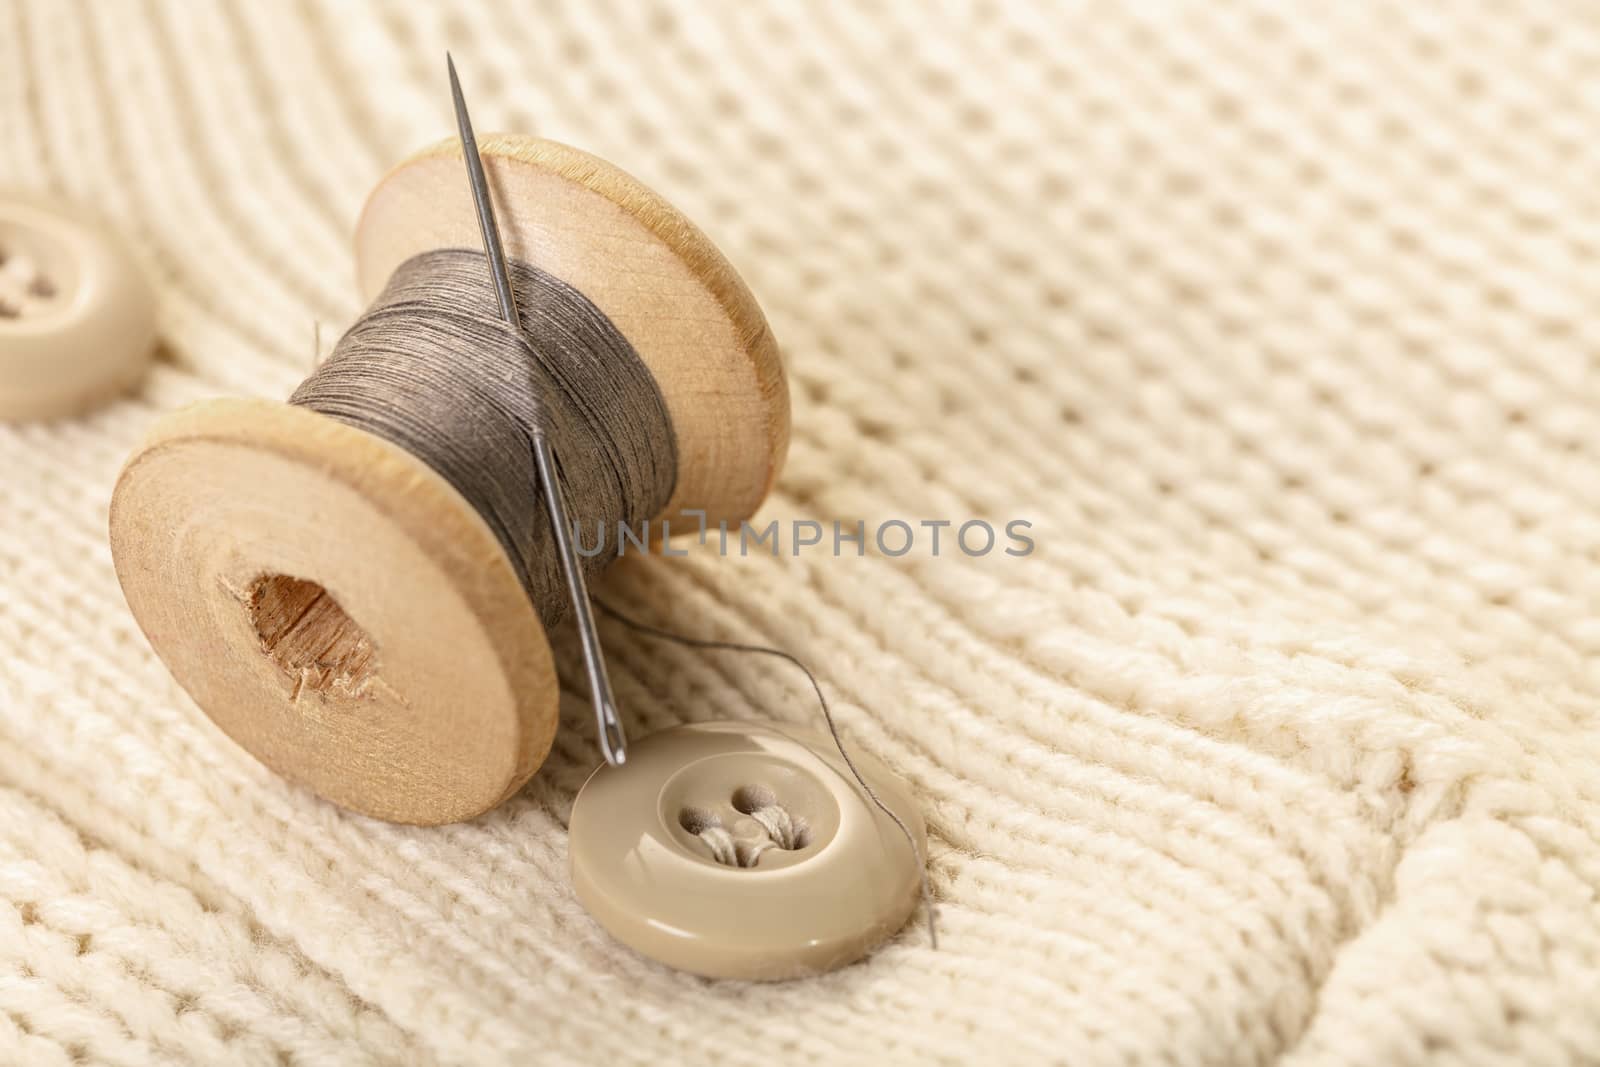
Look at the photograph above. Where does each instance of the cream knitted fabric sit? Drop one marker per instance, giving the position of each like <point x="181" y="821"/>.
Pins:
<point x="1278" y="323"/>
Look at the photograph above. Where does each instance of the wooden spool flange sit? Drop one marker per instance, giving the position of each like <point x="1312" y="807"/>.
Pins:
<point x="333" y="604"/>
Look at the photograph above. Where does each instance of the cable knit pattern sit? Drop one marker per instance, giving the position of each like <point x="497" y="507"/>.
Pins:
<point x="1278" y="322"/>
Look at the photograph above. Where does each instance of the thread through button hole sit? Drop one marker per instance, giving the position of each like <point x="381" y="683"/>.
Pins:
<point x="22" y="282"/>
<point x="780" y="829"/>
<point x="788" y="832"/>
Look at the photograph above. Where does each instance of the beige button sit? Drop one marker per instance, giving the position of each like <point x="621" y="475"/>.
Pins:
<point x="735" y="850"/>
<point x="77" y="321"/>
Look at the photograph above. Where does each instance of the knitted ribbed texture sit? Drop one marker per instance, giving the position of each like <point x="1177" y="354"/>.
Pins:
<point x="1280" y="325"/>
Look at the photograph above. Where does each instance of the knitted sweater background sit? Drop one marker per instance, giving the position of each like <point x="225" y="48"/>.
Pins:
<point x="1279" y="325"/>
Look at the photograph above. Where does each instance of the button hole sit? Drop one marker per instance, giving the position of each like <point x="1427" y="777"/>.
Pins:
<point x="748" y="853"/>
<point x="748" y="799"/>
<point x="707" y="826"/>
<point x="42" y="287"/>
<point x="698" y="820"/>
<point x="7" y="311"/>
<point x="788" y="832"/>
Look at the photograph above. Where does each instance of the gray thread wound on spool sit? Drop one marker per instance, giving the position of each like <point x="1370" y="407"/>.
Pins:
<point x="432" y="367"/>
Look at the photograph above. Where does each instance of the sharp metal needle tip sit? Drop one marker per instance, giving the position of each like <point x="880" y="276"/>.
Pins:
<point x="484" y="203"/>
<point x="455" y="87"/>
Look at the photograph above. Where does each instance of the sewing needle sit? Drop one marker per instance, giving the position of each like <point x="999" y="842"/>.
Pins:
<point x="613" y="742"/>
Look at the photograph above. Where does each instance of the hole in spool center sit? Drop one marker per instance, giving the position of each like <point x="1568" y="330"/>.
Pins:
<point x="308" y="635"/>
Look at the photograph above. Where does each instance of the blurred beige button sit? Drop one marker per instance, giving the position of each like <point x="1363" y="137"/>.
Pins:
<point x="734" y="850"/>
<point x="77" y="321"/>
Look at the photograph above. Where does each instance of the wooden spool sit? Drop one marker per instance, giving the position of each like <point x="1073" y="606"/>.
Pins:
<point x="336" y="606"/>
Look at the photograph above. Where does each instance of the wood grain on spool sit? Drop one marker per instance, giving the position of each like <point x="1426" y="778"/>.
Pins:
<point x="336" y="606"/>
